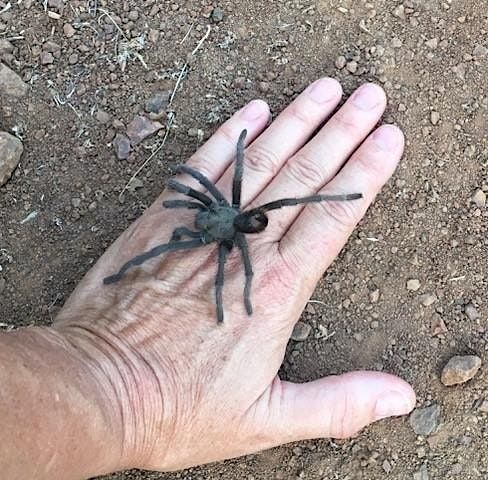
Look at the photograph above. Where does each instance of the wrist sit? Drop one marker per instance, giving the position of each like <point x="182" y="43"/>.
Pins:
<point x="62" y="420"/>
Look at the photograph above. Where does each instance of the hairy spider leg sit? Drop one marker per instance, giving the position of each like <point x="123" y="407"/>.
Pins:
<point x="180" y="232"/>
<point x="239" y="170"/>
<point x="224" y="250"/>
<point x="243" y="247"/>
<point x="190" y="192"/>
<point x="289" y="202"/>
<point x="156" y="251"/>
<point x="183" y="204"/>
<point x="203" y="180"/>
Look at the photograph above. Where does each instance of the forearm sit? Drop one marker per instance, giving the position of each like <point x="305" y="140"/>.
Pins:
<point x="54" y="421"/>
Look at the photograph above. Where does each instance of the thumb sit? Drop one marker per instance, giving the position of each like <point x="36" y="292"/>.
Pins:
<point x="337" y="406"/>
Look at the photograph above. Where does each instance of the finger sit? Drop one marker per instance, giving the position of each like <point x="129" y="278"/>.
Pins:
<point x="321" y="158"/>
<point x="337" y="406"/>
<point x="321" y="230"/>
<point x="291" y="129"/>
<point x="218" y="152"/>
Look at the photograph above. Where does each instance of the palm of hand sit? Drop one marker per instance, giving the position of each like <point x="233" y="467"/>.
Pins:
<point x="190" y="392"/>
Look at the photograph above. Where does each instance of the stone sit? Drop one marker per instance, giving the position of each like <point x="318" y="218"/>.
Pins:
<point x="479" y="198"/>
<point x="69" y="30"/>
<point x="11" y="149"/>
<point x="140" y="128"/>
<point x="483" y="408"/>
<point x="47" y="58"/>
<point x="301" y="331"/>
<point x="3" y="284"/>
<point x="217" y="14"/>
<point x="122" y="146"/>
<point x="340" y="62"/>
<point x="425" y="421"/>
<point x="5" y="46"/>
<point x="432" y="43"/>
<point x="11" y="84"/>
<point x="413" y="284"/>
<point x="422" y="473"/>
<point x="103" y="117"/>
<point x="428" y="299"/>
<point x="471" y="312"/>
<point x="352" y="66"/>
<point x="438" y="326"/>
<point x="434" y="117"/>
<point x="158" y="102"/>
<point x="480" y="51"/>
<point x="460" y="369"/>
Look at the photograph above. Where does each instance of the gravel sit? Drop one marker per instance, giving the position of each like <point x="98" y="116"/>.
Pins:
<point x="140" y="128"/>
<point x="301" y="331"/>
<point x="460" y="369"/>
<point x="425" y="421"/>
<point x="10" y="152"/>
<point x="10" y="83"/>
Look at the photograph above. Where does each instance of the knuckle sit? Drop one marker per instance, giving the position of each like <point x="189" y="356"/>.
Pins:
<point x="201" y="162"/>
<point x="305" y="170"/>
<point x="345" y="215"/>
<point x="342" y="419"/>
<point x="261" y="160"/>
<point x="301" y="113"/>
<point x="345" y="122"/>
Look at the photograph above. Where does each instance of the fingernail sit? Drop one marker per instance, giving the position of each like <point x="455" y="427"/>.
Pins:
<point x="392" y="404"/>
<point x="253" y="110"/>
<point x="387" y="137"/>
<point x="323" y="90"/>
<point x="367" y="97"/>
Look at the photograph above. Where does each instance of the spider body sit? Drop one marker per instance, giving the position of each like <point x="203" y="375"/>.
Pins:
<point x="219" y="221"/>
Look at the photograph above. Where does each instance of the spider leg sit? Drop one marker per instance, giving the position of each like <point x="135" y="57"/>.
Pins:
<point x="183" y="204"/>
<point x="242" y="244"/>
<point x="219" y="280"/>
<point x="190" y="192"/>
<point x="203" y="180"/>
<point x="237" y="183"/>
<point x="165" y="247"/>
<point x="288" y="202"/>
<point x="180" y="232"/>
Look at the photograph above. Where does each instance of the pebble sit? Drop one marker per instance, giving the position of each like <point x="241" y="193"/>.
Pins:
<point x="471" y="312"/>
<point x="217" y="14"/>
<point x="413" y="284"/>
<point x="396" y="42"/>
<point x="432" y="43"/>
<point x="11" y="149"/>
<point x="460" y="369"/>
<point x="5" y="46"/>
<point x="374" y="296"/>
<point x="482" y="408"/>
<point x="428" y="299"/>
<point x="425" y="421"/>
<point x="479" y="198"/>
<point x="3" y="284"/>
<point x="399" y="12"/>
<point x="434" y="117"/>
<point x="47" y="58"/>
<point x="480" y="51"/>
<point x="438" y="326"/>
<point x="352" y="66"/>
<point x="102" y="116"/>
<point x="421" y="474"/>
<point x="76" y="202"/>
<point x="340" y="62"/>
<point x="69" y="30"/>
<point x="140" y="128"/>
<point x="158" y="102"/>
<point x="10" y="83"/>
<point x="122" y="146"/>
<point x="301" y="331"/>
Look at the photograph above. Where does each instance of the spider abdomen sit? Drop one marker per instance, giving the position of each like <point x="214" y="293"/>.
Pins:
<point x="217" y="222"/>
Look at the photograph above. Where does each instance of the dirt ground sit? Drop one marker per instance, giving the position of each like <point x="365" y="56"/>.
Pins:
<point x="89" y="78"/>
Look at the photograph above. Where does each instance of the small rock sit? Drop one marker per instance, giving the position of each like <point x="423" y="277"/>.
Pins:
<point x="5" y="46"/>
<point x="158" y="102"/>
<point x="73" y="59"/>
<point x="10" y="83"/>
<point x="413" y="284"/>
<point x="374" y="296"/>
<point x="154" y="35"/>
<point x="69" y="30"/>
<point x="352" y="66"/>
<point x="479" y="198"/>
<point x="434" y="117"/>
<point x="103" y="117"/>
<point x="428" y="299"/>
<point x="460" y="70"/>
<point x="400" y="12"/>
<point x="396" y="42"/>
<point x="480" y="51"/>
<point x="11" y="149"/>
<point x="47" y="58"/>
<point x="425" y="421"/>
<point x="482" y="408"/>
<point x="57" y="4"/>
<point x="263" y="87"/>
<point x="421" y="474"/>
<point x="122" y="146"/>
<point x="217" y="14"/>
<point x="51" y="47"/>
<point x="133" y="15"/>
<point x="437" y="326"/>
<point x="140" y="128"/>
<point x="76" y="202"/>
<point x="340" y="62"/>
<point x="3" y="284"/>
<point x="432" y="43"/>
<point x="387" y="466"/>
<point x="301" y="331"/>
<point x="471" y="312"/>
<point x="460" y="369"/>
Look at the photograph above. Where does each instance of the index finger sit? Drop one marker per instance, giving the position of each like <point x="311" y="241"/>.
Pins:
<point x="322" y="229"/>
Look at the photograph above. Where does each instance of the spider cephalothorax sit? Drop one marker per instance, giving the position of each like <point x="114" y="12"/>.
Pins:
<point x="219" y="221"/>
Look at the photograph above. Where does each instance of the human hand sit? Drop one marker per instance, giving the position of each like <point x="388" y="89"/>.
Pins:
<point x="184" y="391"/>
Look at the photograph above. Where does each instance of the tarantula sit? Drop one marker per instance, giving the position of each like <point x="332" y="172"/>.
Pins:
<point x="219" y="221"/>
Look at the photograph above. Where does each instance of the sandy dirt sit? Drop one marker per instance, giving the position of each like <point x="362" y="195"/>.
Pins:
<point x="407" y="293"/>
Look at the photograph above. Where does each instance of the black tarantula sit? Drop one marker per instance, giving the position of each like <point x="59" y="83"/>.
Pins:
<point x="219" y="221"/>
